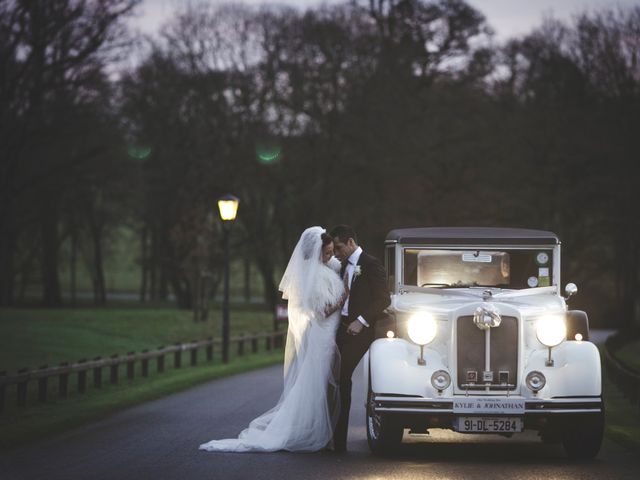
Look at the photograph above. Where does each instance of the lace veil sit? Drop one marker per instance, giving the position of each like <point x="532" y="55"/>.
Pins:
<point x="297" y="286"/>
<point x="306" y="413"/>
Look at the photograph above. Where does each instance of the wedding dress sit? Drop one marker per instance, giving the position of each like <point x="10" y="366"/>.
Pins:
<point x="305" y="415"/>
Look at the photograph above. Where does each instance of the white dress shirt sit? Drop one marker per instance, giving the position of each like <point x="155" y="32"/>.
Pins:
<point x="350" y="270"/>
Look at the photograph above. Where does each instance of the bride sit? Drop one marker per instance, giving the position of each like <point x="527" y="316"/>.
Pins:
<point x="305" y="415"/>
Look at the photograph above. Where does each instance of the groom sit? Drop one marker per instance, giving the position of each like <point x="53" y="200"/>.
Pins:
<point x="368" y="297"/>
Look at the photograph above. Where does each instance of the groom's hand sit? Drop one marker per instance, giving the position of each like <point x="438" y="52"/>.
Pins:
<point x="355" y="327"/>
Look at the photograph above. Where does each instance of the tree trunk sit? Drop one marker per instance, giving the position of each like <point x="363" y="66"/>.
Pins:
<point x="7" y="247"/>
<point x="164" y="282"/>
<point x="51" y="295"/>
<point x="153" y="265"/>
<point x="144" y="265"/>
<point x="183" y="292"/>
<point x="72" y="266"/>
<point x="247" y="279"/>
<point x="100" y="294"/>
<point x="266" y="267"/>
<point x="630" y="286"/>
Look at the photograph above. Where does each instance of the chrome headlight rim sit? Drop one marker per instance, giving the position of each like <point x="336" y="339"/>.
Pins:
<point x="551" y="330"/>
<point x="440" y="374"/>
<point x="422" y="328"/>
<point x="532" y="384"/>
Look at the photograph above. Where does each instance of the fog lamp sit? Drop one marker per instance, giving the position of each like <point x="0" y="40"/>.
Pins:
<point x="535" y="381"/>
<point x="440" y="380"/>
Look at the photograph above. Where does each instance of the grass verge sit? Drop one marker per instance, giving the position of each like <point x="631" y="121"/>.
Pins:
<point x="38" y="421"/>
<point x="33" y="337"/>
<point x="629" y="354"/>
<point x="622" y="418"/>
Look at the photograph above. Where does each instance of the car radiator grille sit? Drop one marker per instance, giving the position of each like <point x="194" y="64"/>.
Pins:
<point x="503" y="354"/>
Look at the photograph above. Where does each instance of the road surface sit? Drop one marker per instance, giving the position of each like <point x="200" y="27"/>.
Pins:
<point x="159" y="440"/>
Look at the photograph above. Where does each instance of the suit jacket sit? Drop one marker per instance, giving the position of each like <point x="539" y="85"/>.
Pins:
<point x="369" y="295"/>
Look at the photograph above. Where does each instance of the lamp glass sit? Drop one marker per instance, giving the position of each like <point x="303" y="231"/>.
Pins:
<point x="228" y="209"/>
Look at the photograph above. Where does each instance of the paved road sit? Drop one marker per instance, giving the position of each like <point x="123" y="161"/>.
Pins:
<point x="159" y="440"/>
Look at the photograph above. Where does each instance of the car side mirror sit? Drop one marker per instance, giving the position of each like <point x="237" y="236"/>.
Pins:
<point x="570" y="290"/>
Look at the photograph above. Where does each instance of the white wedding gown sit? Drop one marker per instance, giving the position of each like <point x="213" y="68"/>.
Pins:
<point x="305" y="415"/>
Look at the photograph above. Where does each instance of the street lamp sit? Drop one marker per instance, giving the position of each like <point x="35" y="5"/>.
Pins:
<point x="227" y="208"/>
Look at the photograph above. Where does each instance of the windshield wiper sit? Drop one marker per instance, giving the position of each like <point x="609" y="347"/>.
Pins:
<point x="474" y="284"/>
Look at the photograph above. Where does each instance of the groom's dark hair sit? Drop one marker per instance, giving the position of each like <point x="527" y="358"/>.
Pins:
<point x="344" y="233"/>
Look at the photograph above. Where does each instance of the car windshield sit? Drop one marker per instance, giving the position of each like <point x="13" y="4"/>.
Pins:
<point x="431" y="268"/>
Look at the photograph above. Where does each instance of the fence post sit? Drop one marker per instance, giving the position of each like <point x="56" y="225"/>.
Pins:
<point x="22" y="389"/>
<point x="177" y="357"/>
<point x="114" y="370"/>
<point x="130" y="366"/>
<point x="82" y="377"/>
<point x="194" y="354"/>
<point x="160" y="361"/>
<point x="42" y="386"/>
<point x="97" y="375"/>
<point x="210" y="349"/>
<point x="268" y="343"/>
<point x="145" y="364"/>
<point x="241" y="346"/>
<point x="254" y="345"/>
<point x="63" y="382"/>
<point x="3" y="374"/>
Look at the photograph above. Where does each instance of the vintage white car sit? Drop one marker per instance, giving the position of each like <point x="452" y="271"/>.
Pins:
<point x="480" y="340"/>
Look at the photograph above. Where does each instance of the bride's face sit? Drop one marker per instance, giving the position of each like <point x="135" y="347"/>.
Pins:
<point x="327" y="252"/>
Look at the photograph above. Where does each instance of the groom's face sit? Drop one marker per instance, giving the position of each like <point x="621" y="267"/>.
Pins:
<point x="343" y="250"/>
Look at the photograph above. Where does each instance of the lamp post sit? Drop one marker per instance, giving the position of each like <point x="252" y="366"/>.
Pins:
<point x="227" y="208"/>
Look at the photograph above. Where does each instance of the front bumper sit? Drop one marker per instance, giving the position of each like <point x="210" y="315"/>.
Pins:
<point x="429" y="406"/>
<point x="539" y="414"/>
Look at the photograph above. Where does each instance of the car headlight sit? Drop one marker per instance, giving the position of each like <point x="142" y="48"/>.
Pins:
<point x="422" y="328"/>
<point x="551" y="330"/>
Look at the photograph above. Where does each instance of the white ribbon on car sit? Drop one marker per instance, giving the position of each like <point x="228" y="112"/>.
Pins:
<point x="487" y="316"/>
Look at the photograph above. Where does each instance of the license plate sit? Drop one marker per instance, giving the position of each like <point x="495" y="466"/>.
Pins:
<point x="489" y="424"/>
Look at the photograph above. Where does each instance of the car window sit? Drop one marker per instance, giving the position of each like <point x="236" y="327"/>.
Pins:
<point x="439" y="268"/>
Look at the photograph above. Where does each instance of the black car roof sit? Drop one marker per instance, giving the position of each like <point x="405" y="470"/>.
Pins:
<point x="473" y="235"/>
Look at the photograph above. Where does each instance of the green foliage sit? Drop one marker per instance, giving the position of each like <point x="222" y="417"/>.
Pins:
<point x="379" y="114"/>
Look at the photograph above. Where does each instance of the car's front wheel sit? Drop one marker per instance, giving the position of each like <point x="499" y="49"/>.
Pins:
<point x="383" y="434"/>
<point x="582" y="438"/>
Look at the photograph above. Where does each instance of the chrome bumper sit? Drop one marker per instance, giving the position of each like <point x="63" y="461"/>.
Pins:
<point x="429" y="406"/>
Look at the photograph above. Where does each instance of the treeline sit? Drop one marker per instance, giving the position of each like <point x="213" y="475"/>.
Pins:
<point x="379" y="114"/>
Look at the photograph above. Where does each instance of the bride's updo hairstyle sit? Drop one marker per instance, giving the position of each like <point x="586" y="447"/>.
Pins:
<point x="308" y="247"/>
<point x="326" y="239"/>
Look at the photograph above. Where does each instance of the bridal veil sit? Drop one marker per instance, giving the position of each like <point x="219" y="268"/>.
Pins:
<point x="305" y="415"/>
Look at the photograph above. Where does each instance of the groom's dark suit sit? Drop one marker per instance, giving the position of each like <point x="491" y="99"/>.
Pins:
<point x="368" y="297"/>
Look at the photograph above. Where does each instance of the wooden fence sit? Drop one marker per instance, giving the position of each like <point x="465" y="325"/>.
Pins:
<point x="627" y="380"/>
<point x="83" y="367"/>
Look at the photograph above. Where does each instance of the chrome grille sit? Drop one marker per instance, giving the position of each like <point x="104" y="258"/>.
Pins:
<point x="503" y="354"/>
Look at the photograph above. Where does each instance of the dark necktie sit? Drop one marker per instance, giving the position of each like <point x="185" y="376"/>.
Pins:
<point x="343" y="269"/>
